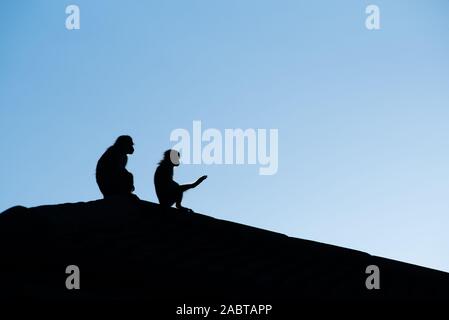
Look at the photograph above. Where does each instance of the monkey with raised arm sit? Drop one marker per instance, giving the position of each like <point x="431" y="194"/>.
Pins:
<point x="168" y="191"/>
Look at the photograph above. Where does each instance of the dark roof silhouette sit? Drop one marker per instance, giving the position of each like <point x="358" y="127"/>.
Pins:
<point x="128" y="249"/>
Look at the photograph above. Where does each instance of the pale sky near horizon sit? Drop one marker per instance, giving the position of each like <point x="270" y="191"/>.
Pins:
<point x="362" y="115"/>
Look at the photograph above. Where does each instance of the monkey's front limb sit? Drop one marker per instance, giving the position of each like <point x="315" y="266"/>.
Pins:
<point x="186" y="187"/>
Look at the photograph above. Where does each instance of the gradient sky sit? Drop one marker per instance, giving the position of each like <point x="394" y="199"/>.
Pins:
<point x="362" y="115"/>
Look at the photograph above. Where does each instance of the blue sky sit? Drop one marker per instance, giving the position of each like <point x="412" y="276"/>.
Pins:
<point x="362" y="115"/>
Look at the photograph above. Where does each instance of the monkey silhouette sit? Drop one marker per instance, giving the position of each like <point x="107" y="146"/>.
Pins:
<point x="111" y="174"/>
<point x="168" y="191"/>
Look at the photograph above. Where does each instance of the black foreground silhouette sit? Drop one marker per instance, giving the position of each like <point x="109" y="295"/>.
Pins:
<point x="133" y="250"/>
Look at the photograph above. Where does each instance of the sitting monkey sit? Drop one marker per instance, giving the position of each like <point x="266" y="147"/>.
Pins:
<point x="167" y="190"/>
<point x="111" y="174"/>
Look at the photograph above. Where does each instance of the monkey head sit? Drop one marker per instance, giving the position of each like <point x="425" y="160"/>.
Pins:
<point x="172" y="156"/>
<point x="125" y="144"/>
